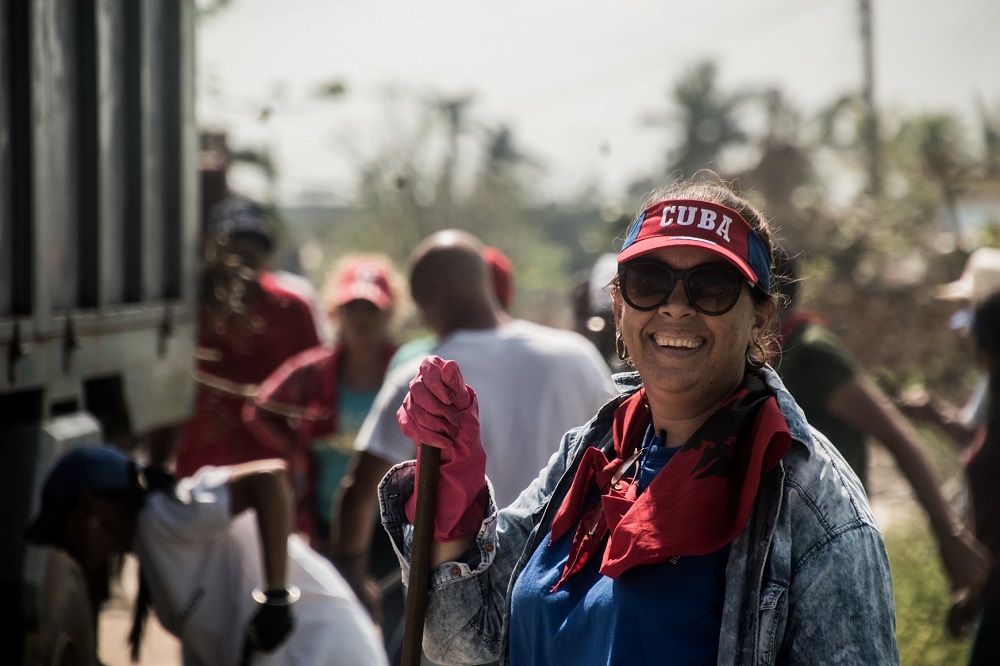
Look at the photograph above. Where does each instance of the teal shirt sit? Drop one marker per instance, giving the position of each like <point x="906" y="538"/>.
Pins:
<point x="333" y="454"/>
<point x="412" y="349"/>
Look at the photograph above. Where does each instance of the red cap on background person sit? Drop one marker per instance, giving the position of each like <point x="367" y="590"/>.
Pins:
<point x="502" y="272"/>
<point x="366" y="279"/>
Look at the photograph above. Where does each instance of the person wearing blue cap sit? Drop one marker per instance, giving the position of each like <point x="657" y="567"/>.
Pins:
<point x="697" y="518"/>
<point x="249" y="323"/>
<point x="216" y="560"/>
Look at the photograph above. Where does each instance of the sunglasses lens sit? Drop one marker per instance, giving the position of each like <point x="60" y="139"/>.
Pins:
<point x="714" y="289"/>
<point x="646" y="286"/>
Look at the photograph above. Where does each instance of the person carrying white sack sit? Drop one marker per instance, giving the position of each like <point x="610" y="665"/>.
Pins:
<point x="216" y="561"/>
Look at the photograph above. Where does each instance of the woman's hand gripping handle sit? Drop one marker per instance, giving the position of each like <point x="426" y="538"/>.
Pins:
<point x="440" y="410"/>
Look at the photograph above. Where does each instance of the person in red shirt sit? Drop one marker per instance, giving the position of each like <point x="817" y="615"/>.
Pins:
<point x="249" y="323"/>
<point x="315" y="402"/>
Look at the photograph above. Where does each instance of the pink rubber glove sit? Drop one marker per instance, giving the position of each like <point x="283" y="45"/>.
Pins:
<point x="440" y="410"/>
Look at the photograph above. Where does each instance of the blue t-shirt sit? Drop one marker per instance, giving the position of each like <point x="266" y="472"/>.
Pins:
<point x="650" y="614"/>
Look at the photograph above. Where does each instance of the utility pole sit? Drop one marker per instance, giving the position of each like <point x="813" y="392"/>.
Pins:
<point x="870" y="135"/>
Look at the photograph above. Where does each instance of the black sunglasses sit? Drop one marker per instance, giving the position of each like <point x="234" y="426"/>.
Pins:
<point x="711" y="289"/>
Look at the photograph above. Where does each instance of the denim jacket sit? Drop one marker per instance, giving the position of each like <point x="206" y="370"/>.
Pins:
<point x="807" y="580"/>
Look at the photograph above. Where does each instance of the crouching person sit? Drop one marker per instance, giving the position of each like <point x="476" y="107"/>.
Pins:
<point x="230" y="583"/>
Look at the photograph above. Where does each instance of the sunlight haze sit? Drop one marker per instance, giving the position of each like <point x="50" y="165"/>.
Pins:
<point x="573" y="80"/>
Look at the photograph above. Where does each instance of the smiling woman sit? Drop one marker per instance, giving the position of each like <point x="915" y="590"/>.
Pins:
<point x="693" y="346"/>
<point x="697" y="515"/>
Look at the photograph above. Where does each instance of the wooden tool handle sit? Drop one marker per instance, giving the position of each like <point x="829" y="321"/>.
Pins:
<point x="420" y="555"/>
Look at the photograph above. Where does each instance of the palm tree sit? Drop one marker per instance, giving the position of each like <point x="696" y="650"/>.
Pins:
<point x="454" y="111"/>
<point x="783" y="169"/>
<point x="844" y="112"/>
<point x="211" y="8"/>
<point x="941" y="148"/>
<point x="707" y="118"/>
<point x="991" y="140"/>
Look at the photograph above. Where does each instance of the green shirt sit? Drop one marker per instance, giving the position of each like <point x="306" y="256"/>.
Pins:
<point x="813" y="365"/>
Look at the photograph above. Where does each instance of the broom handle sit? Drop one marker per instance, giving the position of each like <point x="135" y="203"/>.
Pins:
<point x="420" y="555"/>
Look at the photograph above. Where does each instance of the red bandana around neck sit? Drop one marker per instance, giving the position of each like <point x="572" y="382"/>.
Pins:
<point x="695" y="505"/>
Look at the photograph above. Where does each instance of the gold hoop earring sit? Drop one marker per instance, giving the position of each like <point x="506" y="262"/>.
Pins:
<point x="620" y="348"/>
<point x="757" y="362"/>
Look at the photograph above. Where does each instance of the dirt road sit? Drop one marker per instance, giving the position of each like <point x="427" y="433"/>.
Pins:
<point x="158" y="649"/>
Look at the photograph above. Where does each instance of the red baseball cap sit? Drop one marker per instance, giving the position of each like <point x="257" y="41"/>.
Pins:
<point x="502" y="272"/>
<point x="696" y="223"/>
<point x="367" y="280"/>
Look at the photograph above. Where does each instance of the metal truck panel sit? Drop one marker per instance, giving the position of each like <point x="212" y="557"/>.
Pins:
<point x="98" y="253"/>
<point x="99" y="217"/>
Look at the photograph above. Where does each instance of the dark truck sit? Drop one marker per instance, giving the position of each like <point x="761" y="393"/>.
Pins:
<point x="98" y="233"/>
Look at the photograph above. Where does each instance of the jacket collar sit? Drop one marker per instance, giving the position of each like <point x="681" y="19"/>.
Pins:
<point x="629" y="382"/>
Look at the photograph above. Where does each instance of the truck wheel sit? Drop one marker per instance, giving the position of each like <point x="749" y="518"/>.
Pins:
<point x="67" y="631"/>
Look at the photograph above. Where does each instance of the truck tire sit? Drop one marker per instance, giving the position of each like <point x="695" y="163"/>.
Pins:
<point x="67" y="631"/>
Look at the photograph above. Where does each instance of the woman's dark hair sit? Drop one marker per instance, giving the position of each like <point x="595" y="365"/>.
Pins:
<point x="148" y="480"/>
<point x="228" y="281"/>
<point x="785" y="276"/>
<point x="986" y="332"/>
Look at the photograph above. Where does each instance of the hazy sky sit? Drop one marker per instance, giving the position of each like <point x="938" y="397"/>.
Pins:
<point x="573" y="79"/>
